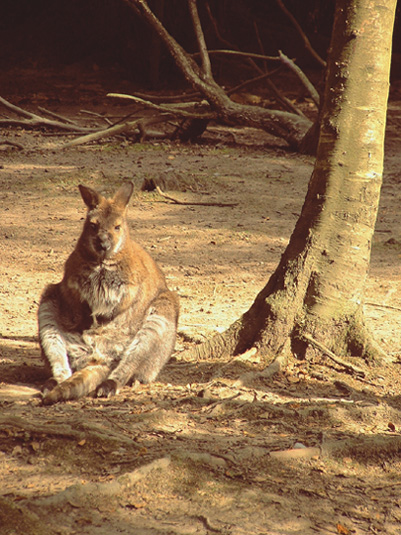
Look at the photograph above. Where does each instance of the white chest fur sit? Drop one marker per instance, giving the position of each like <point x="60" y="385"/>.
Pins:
<point x="103" y="289"/>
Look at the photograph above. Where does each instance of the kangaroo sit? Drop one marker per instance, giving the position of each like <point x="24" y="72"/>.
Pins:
<point x="111" y="320"/>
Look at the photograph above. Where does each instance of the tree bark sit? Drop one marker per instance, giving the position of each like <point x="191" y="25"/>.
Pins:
<point x="317" y="290"/>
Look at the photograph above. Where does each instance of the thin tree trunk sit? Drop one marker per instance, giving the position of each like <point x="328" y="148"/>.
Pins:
<point x="317" y="290"/>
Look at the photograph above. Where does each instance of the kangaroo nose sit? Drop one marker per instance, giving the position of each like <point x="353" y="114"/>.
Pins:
<point x="104" y="242"/>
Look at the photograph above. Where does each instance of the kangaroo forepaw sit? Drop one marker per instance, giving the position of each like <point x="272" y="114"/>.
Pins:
<point x="108" y="388"/>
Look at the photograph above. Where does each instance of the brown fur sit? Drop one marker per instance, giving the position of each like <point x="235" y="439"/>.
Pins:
<point x="111" y="319"/>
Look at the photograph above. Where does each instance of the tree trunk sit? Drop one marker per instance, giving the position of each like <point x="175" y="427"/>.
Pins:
<point x="317" y="290"/>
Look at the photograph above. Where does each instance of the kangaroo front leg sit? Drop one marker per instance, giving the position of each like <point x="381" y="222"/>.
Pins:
<point x="52" y="341"/>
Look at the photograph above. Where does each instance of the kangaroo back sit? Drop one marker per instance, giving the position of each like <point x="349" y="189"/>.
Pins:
<point x="112" y="317"/>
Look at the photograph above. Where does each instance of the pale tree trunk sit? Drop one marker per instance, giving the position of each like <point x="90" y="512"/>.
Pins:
<point x="316" y="293"/>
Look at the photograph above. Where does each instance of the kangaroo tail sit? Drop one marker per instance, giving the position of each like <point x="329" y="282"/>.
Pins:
<point x="80" y="384"/>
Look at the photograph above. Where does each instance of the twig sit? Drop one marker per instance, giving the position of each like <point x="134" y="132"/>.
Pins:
<point x="252" y="81"/>
<point x="57" y="116"/>
<point x="95" y="114"/>
<point x="193" y="203"/>
<point x="302" y="76"/>
<point x="306" y="41"/>
<point x="332" y="356"/>
<point x="241" y="54"/>
<point x="255" y="27"/>
<point x="383" y="306"/>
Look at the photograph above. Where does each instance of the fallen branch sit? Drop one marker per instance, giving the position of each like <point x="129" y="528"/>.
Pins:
<point x="169" y="109"/>
<point x="193" y="203"/>
<point x="182" y="97"/>
<point x="33" y="120"/>
<point x="332" y="356"/>
<point x="101" y="134"/>
<point x="288" y="126"/>
<point x="278" y="365"/>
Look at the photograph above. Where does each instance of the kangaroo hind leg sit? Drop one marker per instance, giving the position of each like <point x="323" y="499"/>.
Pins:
<point x="80" y="384"/>
<point x="151" y="347"/>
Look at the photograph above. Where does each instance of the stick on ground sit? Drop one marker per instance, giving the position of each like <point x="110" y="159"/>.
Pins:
<point x="194" y="203"/>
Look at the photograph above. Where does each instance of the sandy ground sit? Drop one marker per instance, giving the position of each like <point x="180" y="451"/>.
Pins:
<point x="192" y="452"/>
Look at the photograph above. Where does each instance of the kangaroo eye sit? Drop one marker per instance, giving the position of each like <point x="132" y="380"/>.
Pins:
<point x="117" y="227"/>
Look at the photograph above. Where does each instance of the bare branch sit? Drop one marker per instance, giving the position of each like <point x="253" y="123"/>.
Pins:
<point x="182" y="97"/>
<point x="302" y="76"/>
<point x="206" y="66"/>
<point x="255" y="26"/>
<point x="215" y="26"/>
<point x="306" y="41"/>
<point x="285" y="125"/>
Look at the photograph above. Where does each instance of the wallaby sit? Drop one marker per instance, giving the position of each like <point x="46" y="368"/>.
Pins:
<point x="112" y="319"/>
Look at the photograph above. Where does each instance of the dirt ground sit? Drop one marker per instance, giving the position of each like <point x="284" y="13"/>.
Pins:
<point x="310" y="451"/>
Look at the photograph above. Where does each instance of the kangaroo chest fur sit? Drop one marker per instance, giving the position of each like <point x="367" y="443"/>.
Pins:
<point x="105" y="291"/>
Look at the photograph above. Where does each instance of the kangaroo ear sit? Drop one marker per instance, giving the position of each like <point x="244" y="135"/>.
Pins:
<point x="123" y="195"/>
<point x="90" y="197"/>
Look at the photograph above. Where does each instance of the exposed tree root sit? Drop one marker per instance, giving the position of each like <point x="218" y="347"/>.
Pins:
<point x="321" y="347"/>
<point x="285" y="342"/>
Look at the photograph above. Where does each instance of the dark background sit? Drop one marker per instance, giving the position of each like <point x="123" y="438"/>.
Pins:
<point x="106" y="35"/>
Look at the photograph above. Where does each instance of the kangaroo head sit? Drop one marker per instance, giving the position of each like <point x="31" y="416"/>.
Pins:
<point x="105" y="230"/>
